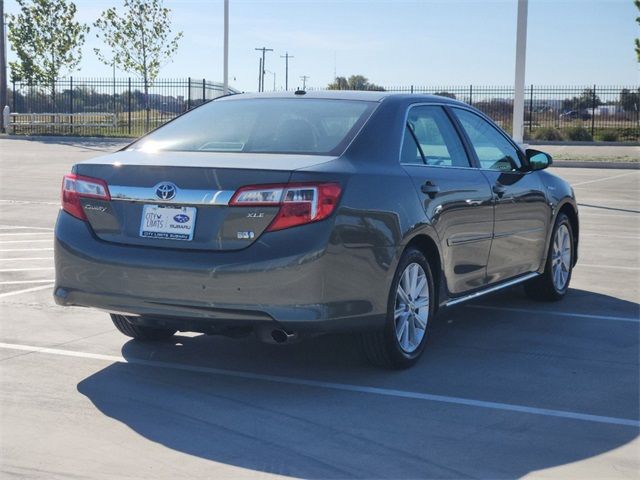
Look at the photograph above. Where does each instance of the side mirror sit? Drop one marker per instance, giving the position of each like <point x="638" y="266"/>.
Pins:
<point x="538" y="160"/>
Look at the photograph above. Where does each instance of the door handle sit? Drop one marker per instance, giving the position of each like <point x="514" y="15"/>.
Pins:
<point x="499" y="189"/>
<point x="430" y="188"/>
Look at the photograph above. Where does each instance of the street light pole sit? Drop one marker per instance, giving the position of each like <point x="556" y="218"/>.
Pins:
<point x="518" y="90"/>
<point x="286" y="57"/>
<point x="3" y="64"/>
<point x="225" y="68"/>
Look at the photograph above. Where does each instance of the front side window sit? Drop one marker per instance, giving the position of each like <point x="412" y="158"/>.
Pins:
<point x="431" y="139"/>
<point x="494" y="151"/>
<point x="263" y="125"/>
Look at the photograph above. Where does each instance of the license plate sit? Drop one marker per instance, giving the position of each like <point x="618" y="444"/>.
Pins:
<point x="171" y="223"/>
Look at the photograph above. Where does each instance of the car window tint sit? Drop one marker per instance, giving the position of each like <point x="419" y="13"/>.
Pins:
<point x="494" y="151"/>
<point x="410" y="153"/>
<point x="263" y="125"/>
<point x="438" y="141"/>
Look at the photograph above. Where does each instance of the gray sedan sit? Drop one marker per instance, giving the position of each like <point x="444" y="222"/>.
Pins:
<point x="295" y="214"/>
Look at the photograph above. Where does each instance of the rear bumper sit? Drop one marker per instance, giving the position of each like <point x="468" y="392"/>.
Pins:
<point x="299" y="280"/>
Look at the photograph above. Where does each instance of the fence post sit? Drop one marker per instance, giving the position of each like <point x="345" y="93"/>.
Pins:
<point x="189" y="94"/>
<point x="470" y="94"/>
<point x="411" y="88"/>
<point x="13" y="95"/>
<point x="531" y="110"/>
<point x="203" y="91"/>
<point x="71" y="102"/>
<point x="593" y="112"/>
<point x="129" y="109"/>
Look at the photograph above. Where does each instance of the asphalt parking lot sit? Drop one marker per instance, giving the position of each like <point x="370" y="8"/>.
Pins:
<point x="507" y="388"/>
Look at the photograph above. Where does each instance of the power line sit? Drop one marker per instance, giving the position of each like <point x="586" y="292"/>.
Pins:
<point x="264" y="50"/>
<point x="286" y="56"/>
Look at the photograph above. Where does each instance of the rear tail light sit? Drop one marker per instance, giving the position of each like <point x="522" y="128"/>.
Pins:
<point x="299" y="203"/>
<point x="75" y="187"/>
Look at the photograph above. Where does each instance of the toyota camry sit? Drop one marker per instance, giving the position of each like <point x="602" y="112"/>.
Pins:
<point x="295" y="214"/>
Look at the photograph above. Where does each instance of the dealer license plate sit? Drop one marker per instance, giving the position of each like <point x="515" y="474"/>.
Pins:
<point x="171" y="223"/>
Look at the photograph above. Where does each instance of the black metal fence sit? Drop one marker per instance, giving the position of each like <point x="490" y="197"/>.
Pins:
<point x="120" y="107"/>
<point x="554" y="113"/>
<point x="105" y="106"/>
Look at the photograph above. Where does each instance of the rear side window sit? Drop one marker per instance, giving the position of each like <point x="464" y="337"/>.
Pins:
<point x="431" y="139"/>
<point x="263" y="125"/>
<point x="494" y="151"/>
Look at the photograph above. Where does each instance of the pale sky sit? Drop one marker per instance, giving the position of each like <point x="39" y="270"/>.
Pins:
<point x="394" y="42"/>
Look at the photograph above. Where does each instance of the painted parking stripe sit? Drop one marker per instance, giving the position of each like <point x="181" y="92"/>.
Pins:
<point x="558" y="314"/>
<point x="608" y="267"/>
<point x="24" y="234"/>
<point x="28" y="269"/>
<point x="24" y="259"/>
<point x="20" y="282"/>
<point x="22" y="227"/>
<point x="3" y="241"/>
<point x="27" y="250"/>
<point x="26" y="290"/>
<point x="602" y="179"/>
<point x="387" y="392"/>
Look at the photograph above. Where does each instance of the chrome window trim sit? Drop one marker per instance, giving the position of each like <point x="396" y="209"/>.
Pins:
<point x="443" y="105"/>
<point x="182" y="197"/>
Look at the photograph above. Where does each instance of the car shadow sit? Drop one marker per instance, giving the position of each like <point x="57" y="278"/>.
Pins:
<point x="266" y="425"/>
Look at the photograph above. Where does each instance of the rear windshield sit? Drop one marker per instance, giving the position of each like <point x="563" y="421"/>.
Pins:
<point x="263" y="125"/>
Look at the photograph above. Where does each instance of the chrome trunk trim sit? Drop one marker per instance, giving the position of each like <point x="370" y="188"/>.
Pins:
<point x="182" y="196"/>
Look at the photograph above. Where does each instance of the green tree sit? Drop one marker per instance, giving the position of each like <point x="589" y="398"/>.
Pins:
<point x="630" y="101"/>
<point x="354" y="82"/>
<point x="139" y="40"/>
<point x="585" y="101"/>
<point x="637" y="2"/>
<point x="47" y="40"/>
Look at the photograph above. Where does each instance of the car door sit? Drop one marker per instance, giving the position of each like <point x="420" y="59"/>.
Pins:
<point x="521" y="209"/>
<point x="456" y="198"/>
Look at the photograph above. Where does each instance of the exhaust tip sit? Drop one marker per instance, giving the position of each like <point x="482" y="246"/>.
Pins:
<point x="280" y="336"/>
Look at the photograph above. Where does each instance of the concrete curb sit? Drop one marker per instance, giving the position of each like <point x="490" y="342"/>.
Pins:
<point x="607" y="165"/>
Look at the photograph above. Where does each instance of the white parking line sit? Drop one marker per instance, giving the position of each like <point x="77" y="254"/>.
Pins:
<point x="607" y="267"/>
<point x="24" y="259"/>
<point x="26" y="290"/>
<point x="2" y="241"/>
<point x="602" y="179"/>
<point x="21" y="227"/>
<point x="23" y="234"/>
<point x="27" y="250"/>
<point x="29" y="269"/>
<point x="27" y="202"/>
<point x="557" y="313"/>
<point x="626" y="237"/>
<point x="387" y="392"/>
<point x="19" y="282"/>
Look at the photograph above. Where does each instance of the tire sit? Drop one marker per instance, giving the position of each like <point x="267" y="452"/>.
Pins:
<point x="549" y="286"/>
<point x="140" y="332"/>
<point x="396" y="346"/>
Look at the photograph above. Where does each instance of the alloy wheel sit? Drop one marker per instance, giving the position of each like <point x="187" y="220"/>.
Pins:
<point x="561" y="257"/>
<point x="411" y="313"/>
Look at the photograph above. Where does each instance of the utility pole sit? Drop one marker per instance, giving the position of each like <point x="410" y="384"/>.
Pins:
<point x="518" y="89"/>
<point x="304" y="79"/>
<point x="259" y="74"/>
<point x="225" y="63"/>
<point x="3" y="63"/>
<point x="286" y="57"/>
<point x="263" y="50"/>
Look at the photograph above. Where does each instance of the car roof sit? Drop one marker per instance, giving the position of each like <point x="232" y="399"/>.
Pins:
<point x="371" y="96"/>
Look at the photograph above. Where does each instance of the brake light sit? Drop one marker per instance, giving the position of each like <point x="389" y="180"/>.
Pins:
<point x="75" y="187"/>
<point x="300" y="203"/>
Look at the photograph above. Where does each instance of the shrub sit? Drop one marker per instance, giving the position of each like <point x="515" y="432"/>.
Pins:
<point x="578" y="134"/>
<point x="548" y="133"/>
<point x="609" y="136"/>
